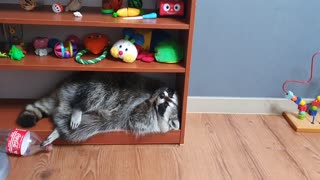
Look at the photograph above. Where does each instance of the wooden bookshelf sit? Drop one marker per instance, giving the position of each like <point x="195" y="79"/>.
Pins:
<point x="34" y="62"/>
<point x="91" y="16"/>
<point x="13" y="14"/>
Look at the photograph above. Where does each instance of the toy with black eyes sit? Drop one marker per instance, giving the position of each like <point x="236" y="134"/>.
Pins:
<point x="171" y="8"/>
<point x="125" y="49"/>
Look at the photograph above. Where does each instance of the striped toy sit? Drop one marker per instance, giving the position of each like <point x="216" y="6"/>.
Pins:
<point x="90" y="61"/>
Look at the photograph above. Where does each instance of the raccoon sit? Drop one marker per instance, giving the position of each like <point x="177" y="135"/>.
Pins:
<point x="89" y="103"/>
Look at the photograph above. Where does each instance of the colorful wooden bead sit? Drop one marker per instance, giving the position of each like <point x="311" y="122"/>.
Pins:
<point x="298" y="100"/>
<point x="301" y="116"/>
<point x="313" y="112"/>
<point x="294" y="98"/>
<point x="315" y="103"/>
<point x="314" y="108"/>
<point x="289" y="95"/>
<point x="302" y="102"/>
<point x="302" y="112"/>
<point x="302" y="107"/>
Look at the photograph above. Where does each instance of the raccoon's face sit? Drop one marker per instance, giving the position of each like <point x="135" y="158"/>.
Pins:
<point x="167" y="107"/>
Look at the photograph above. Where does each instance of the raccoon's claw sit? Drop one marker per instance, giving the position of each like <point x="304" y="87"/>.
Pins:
<point x="75" y="119"/>
<point x="74" y="125"/>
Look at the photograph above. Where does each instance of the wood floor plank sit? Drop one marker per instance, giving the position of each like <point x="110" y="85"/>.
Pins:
<point x="216" y="146"/>
<point x="231" y="156"/>
<point x="270" y="156"/>
<point x="303" y="153"/>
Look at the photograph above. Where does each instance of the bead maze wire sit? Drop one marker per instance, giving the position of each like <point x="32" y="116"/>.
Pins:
<point x="312" y="107"/>
<point x="299" y="81"/>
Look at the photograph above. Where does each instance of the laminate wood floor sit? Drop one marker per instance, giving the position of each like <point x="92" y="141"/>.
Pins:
<point x="216" y="147"/>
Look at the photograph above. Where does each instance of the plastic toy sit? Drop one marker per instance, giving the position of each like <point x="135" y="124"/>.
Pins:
<point x="127" y="12"/>
<point x="304" y="107"/>
<point x="110" y="6"/>
<point x="16" y="53"/>
<point x="171" y="8"/>
<point x="3" y="55"/>
<point x="43" y="52"/>
<point x="52" y="42"/>
<point x="40" y="42"/>
<point x="65" y="49"/>
<point x="74" y="5"/>
<point x="95" y="43"/>
<point x="124" y="48"/>
<point x="145" y="16"/>
<point x="135" y="4"/>
<point x="168" y="51"/>
<point x="28" y="5"/>
<point x="57" y="7"/>
<point x="74" y="39"/>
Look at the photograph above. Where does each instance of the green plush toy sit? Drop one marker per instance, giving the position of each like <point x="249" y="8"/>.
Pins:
<point x="168" y="51"/>
<point x="16" y="53"/>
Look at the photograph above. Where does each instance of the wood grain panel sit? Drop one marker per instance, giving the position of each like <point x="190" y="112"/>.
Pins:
<point x="216" y="146"/>
<point x="34" y="62"/>
<point x="91" y="16"/>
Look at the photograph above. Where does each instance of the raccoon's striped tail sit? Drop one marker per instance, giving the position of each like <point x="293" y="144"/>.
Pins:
<point x="34" y="112"/>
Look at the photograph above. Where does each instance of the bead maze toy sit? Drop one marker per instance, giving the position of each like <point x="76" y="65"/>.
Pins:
<point x="306" y="119"/>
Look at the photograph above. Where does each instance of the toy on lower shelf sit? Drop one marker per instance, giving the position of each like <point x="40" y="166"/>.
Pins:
<point x="303" y="107"/>
<point x="16" y="53"/>
<point x="168" y="51"/>
<point x="124" y="48"/>
<point x="3" y="55"/>
<point x="95" y="43"/>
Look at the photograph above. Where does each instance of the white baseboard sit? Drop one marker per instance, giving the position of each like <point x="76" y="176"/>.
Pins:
<point x="227" y="105"/>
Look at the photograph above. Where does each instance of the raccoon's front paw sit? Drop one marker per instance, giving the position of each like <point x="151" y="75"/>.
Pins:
<point x="75" y="119"/>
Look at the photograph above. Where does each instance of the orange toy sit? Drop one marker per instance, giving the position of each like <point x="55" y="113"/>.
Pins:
<point x="96" y="42"/>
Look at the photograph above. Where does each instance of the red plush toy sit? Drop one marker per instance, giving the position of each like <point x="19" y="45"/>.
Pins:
<point x="144" y="55"/>
<point x="171" y="8"/>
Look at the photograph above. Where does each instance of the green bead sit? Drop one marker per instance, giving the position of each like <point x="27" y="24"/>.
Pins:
<point x="301" y="116"/>
<point x="314" y="107"/>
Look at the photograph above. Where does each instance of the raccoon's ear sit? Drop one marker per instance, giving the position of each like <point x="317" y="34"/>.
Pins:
<point x="175" y="124"/>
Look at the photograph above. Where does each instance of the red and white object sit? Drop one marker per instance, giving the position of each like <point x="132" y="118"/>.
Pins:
<point x="171" y="8"/>
<point x="57" y="7"/>
<point x="21" y="142"/>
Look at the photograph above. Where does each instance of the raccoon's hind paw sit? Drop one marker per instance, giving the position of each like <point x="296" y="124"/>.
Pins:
<point x="27" y="119"/>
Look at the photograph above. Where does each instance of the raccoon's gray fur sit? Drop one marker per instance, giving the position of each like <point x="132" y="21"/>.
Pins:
<point x="90" y="103"/>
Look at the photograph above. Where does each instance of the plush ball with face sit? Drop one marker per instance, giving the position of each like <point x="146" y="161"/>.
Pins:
<point x="125" y="50"/>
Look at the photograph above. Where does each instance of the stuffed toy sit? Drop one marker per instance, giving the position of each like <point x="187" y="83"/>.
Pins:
<point x="125" y="49"/>
<point x="168" y="51"/>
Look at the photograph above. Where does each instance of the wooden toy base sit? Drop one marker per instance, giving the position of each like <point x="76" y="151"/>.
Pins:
<point x="302" y="125"/>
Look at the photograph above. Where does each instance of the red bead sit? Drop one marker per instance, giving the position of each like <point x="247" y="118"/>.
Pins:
<point x="315" y="103"/>
<point x="302" y="107"/>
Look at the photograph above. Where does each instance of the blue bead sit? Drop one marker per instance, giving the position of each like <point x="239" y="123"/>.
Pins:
<point x="313" y="113"/>
<point x="298" y="100"/>
<point x="302" y="112"/>
<point x="289" y="95"/>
